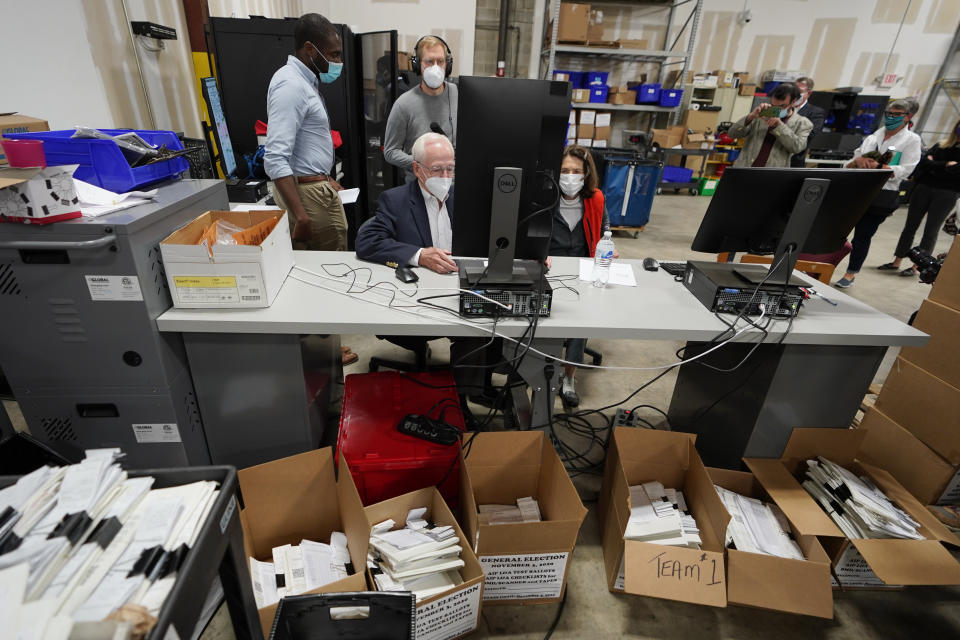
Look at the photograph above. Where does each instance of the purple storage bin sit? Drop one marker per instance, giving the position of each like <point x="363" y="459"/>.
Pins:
<point x="647" y="93"/>
<point x="592" y="78"/>
<point x="676" y="174"/>
<point x="599" y="93"/>
<point x="670" y="97"/>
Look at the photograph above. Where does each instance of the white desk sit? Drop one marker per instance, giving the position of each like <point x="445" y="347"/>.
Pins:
<point x="817" y="377"/>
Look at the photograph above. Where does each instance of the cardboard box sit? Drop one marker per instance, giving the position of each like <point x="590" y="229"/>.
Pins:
<point x="699" y="141"/>
<point x="524" y="563"/>
<point x="705" y="81"/>
<point x="588" y="116"/>
<point x="922" y="472"/>
<point x="297" y="498"/>
<point x="571" y="131"/>
<point x="893" y="561"/>
<point x="602" y="119"/>
<point x="595" y="28"/>
<point x="946" y="288"/>
<point x="675" y="573"/>
<point x="668" y="138"/>
<point x="580" y="95"/>
<point x="454" y="613"/>
<point x="924" y="405"/>
<point x="573" y="117"/>
<point x="585" y="130"/>
<point x="939" y="356"/>
<point x="628" y="43"/>
<point x="17" y="123"/>
<point x="770" y="582"/>
<point x="602" y="133"/>
<point x="701" y="121"/>
<point x="403" y="61"/>
<point x="747" y="89"/>
<point x="574" y="22"/>
<point x="38" y="195"/>
<point x="598" y="144"/>
<point x="585" y="142"/>
<point x="724" y="78"/>
<point x="621" y="95"/>
<point x="234" y="276"/>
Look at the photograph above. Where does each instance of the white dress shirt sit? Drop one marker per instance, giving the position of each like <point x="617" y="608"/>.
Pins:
<point x="906" y="142"/>
<point x="441" y="231"/>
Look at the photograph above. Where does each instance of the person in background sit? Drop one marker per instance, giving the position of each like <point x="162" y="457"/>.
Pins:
<point x="430" y="106"/>
<point x="935" y="194"/>
<point x="578" y="224"/>
<point x="771" y="140"/>
<point x="298" y="156"/>
<point x="811" y="112"/>
<point x="905" y="149"/>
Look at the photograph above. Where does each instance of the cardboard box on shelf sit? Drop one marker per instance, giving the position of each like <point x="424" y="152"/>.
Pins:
<point x="18" y="123"/>
<point x="621" y="95"/>
<point x="585" y="142"/>
<point x="603" y="119"/>
<point x="574" y="22"/>
<point x="939" y="356"/>
<point x="587" y="116"/>
<point x="585" y="130"/>
<point x="595" y="27"/>
<point x="675" y="573"/>
<point x="524" y="563"/>
<point x="724" y="78"/>
<point x="699" y="141"/>
<point x="668" y="138"/>
<point x="571" y="131"/>
<point x="580" y="95"/>
<point x="747" y="89"/>
<point x="771" y="582"/>
<point x="946" y="288"/>
<point x="403" y="61"/>
<point x="637" y="44"/>
<point x="447" y="615"/>
<point x="229" y="276"/>
<point x="892" y="561"/>
<point x="924" y="405"/>
<point x="601" y="133"/>
<point x="922" y="472"/>
<point x="675" y="80"/>
<point x="297" y="498"/>
<point x="705" y="81"/>
<point x="701" y="120"/>
<point x="601" y="144"/>
<point x="573" y="116"/>
<point x="38" y="195"/>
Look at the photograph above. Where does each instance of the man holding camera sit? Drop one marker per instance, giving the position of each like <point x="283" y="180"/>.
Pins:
<point x="773" y="131"/>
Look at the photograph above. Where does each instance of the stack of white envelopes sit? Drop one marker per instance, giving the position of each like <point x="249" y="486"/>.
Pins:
<point x="659" y="515"/>
<point x="419" y="557"/>
<point x="757" y="527"/>
<point x="300" y="568"/>
<point x="855" y="505"/>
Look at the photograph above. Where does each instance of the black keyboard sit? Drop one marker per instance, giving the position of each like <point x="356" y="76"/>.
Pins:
<point x="674" y="268"/>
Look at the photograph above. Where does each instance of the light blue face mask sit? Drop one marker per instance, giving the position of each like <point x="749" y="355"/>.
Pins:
<point x="333" y="68"/>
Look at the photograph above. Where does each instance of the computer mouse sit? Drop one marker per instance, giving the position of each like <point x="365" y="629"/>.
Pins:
<point x="651" y="264"/>
<point x="406" y="274"/>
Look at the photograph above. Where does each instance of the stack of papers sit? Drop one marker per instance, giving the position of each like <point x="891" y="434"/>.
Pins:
<point x="526" y="510"/>
<point x="89" y="540"/>
<point x="757" y="527"/>
<point x="97" y="201"/>
<point x="659" y="515"/>
<point x="300" y="568"/>
<point x="419" y="558"/>
<point x="855" y="505"/>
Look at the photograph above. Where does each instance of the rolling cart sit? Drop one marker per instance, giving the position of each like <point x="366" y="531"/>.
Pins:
<point x="694" y="185"/>
<point x="628" y="181"/>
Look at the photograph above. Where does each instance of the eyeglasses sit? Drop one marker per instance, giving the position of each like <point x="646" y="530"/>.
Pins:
<point x="439" y="170"/>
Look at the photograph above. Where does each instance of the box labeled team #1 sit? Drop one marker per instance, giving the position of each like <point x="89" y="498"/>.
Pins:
<point x="204" y="273"/>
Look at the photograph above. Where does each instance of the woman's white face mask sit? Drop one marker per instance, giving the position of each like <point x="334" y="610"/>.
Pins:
<point x="571" y="183"/>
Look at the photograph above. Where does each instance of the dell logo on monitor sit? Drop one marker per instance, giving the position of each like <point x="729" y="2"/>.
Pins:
<point x="507" y="183"/>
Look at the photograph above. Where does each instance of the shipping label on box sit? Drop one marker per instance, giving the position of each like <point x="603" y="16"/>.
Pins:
<point x="524" y="576"/>
<point x="587" y="116"/>
<point x="449" y="617"/>
<point x="600" y="144"/>
<point x="585" y="142"/>
<point x="853" y="571"/>
<point x="951" y="495"/>
<point x="573" y="117"/>
<point x="602" y="119"/>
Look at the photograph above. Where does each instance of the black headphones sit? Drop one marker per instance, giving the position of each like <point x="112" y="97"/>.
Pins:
<point x="415" y="58"/>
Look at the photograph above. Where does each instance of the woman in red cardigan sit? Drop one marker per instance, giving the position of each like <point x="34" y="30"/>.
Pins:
<point x="578" y="224"/>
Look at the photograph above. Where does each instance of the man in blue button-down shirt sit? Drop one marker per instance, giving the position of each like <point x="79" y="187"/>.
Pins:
<point x="298" y="155"/>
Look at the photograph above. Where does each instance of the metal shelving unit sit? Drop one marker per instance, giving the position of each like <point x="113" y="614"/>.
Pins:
<point x="667" y="55"/>
<point x="606" y="106"/>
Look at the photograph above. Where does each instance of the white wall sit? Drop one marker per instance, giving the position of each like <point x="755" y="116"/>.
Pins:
<point x="452" y="20"/>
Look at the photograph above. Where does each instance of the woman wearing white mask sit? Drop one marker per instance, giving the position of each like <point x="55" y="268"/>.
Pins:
<point x="578" y="224"/>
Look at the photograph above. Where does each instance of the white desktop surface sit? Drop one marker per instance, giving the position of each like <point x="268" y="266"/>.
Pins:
<point x="659" y="308"/>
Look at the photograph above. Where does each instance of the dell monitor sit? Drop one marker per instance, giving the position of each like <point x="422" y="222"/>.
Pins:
<point x="510" y="137"/>
<point x="218" y="123"/>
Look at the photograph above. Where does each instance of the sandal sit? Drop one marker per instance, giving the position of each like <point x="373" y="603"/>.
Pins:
<point x="888" y="267"/>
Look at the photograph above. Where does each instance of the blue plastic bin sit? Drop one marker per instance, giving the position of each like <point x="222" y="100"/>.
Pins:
<point x="599" y="93"/>
<point x="101" y="161"/>
<point x="769" y="86"/>
<point x="637" y="190"/>
<point x="592" y="78"/>
<point x="675" y="174"/>
<point x="670" y="97"/>
<point x="647" y="93"/>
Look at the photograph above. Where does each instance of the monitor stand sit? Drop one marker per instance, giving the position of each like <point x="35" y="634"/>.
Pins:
<point x="501" y="268"/>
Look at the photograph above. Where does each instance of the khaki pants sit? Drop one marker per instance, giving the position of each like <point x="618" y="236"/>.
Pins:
<point x="328" y="223"/>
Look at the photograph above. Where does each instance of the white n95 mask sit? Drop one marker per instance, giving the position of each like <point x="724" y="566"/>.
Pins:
<point x="439" y="187"/>
<point x="571" y="183"/>
<point x="433" y="76"/>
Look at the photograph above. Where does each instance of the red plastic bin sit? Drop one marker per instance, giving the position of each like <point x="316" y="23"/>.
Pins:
<point x="384" y="462"/>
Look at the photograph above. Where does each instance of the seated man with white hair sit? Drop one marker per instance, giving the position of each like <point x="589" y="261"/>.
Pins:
<point x="413" y="223"/>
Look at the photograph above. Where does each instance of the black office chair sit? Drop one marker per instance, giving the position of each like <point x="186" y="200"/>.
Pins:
<point x="419" y="345"/>
<point x="596" y="356"/>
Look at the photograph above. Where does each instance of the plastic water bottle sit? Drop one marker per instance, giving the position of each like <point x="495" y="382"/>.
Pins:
<point x="602" y="259"/>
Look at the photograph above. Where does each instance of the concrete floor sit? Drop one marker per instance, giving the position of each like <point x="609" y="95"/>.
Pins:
<point x="591" y="610"/>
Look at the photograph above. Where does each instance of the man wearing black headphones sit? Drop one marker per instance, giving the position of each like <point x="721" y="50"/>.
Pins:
<point x="430" y="106"/>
